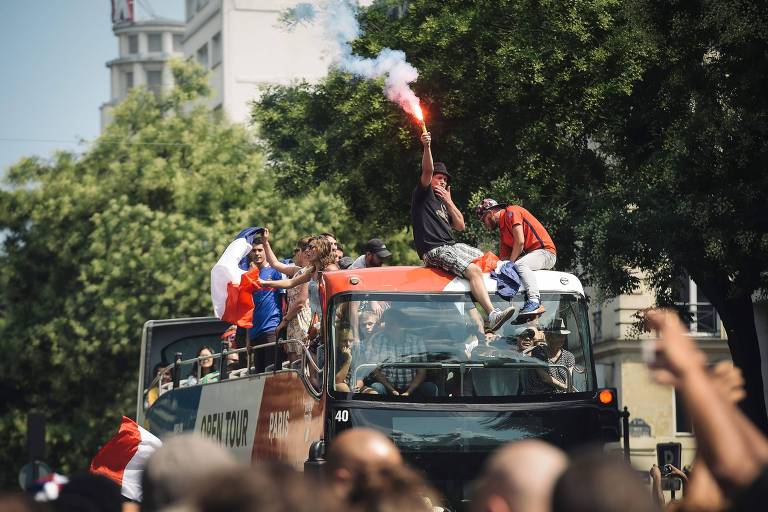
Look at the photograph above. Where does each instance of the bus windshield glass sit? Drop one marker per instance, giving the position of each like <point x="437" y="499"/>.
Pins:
<point x="434" y="346"/>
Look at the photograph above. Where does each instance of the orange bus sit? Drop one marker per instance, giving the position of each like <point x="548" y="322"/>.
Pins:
<point x="474" y="391"/>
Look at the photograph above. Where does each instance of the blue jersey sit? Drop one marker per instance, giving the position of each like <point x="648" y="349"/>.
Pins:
<point x="266" y="305"/>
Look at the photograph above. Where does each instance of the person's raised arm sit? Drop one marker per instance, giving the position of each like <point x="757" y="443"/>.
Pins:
<point x="731" y="448"/>
<point x="284" y="284"/>
<point x="288" y="270"/>
<point x="427" y="165"/>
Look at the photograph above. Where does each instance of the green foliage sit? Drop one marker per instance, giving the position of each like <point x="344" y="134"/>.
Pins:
<point x="637" y="132"/>
<point x="614" y="122"/>
<point x="512" y="93"/>
<point x="98" y="244"/>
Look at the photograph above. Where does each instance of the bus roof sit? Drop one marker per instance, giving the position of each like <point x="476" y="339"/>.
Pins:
<point x="431" y="280"/>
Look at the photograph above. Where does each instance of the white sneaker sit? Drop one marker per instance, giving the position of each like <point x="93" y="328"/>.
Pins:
<point x="498" y="317"/>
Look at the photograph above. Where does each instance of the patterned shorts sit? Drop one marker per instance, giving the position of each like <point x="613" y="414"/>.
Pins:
<point x="452" y="258"/>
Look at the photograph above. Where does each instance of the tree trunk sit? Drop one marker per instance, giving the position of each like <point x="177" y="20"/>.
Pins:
<point x="738" y="317"/>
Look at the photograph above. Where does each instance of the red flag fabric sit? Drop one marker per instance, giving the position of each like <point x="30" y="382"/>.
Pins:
<point x="239" y="306"/>
<point x="123" y="457"/>
<point x="487" y="262"/>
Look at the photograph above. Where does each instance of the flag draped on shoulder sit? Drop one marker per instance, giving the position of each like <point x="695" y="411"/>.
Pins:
<point x="123" y="457"/>
<point x="233" y="283"/>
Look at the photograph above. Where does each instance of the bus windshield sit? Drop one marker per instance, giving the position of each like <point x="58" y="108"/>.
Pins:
<point x="434" y="346"/>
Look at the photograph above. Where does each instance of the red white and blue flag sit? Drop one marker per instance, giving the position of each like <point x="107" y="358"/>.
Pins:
<point x="123" y="457"/>
<point x="233" y="283"/>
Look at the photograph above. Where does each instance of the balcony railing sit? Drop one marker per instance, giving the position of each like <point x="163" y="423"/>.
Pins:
<point x="703" y="318"/>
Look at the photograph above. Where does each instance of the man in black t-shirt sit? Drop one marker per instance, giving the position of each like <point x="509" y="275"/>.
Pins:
<point x="434" y="216"/>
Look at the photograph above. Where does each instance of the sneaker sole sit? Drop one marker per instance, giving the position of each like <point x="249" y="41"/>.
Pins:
<point x="503" y="319"/>
<point x="535" y="312"/>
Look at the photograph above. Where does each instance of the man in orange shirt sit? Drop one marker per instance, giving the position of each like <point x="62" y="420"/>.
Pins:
<point x="523" y="240"/>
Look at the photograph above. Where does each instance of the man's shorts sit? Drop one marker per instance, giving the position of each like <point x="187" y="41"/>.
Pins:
<point x="452" y="258"/>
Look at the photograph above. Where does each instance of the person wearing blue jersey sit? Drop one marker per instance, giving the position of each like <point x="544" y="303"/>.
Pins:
<point x="267" y="310"/>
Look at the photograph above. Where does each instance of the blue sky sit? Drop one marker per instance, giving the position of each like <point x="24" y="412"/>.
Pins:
<point x="55" y="76"/>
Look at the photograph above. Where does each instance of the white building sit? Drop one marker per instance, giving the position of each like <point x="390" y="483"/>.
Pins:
<point x="244" y="46"/>
<point x="144" y="50"/>
<point x="656" y="412"/>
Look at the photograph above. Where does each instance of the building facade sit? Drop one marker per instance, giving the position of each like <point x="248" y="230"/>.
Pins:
<point x="244" y="46"/>
<point x="656" y="413"/>
<point x="144" y="49"/>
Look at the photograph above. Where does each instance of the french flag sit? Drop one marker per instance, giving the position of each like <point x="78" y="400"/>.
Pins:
<point x="123" y="457"/>
<point x="233" y="283"/>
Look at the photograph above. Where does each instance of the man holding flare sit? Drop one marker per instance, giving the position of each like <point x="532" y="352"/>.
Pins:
<point x="434" y="216"/>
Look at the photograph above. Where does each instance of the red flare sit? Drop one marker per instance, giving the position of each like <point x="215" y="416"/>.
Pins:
<point x="419" y="115"/>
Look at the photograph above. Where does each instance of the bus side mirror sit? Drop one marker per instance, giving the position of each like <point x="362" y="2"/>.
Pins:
<point x="313" y="466"/>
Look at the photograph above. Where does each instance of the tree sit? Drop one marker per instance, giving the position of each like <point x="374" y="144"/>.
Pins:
<point x="688" y="180"/>
<point x="614" y="122"/>
<point x="97" y="244"/>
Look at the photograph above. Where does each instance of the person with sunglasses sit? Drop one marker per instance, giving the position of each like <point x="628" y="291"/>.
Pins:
<point x="319" y="257"/>
<point x="298" y="317"/>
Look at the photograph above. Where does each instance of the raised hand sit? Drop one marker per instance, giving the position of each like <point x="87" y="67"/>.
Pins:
<point x="426" y="139"/>
<point x="444" y="194"/>
<point x="676" y="353"/>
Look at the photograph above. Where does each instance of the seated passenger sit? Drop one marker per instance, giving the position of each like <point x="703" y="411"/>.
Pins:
<point x="153" y="393"/>
<point x="395" y="345"/>
<point x="368" y="325"/>
<point x="206" y="370"/>
<point x="347" y="356"/>
<point x="553" y="379"/>
<point x="233" y="359"/>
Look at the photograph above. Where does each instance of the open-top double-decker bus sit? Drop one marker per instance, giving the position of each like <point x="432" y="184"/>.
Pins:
<point x="475" y="394"/>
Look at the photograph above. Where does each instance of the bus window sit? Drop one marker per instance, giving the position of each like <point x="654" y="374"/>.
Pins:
<point x="432" y="346"/>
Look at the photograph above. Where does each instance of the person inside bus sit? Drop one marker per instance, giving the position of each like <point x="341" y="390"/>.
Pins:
<point x="394" y="344"/>
<point x="553" y="379"/>
<point x="348" y="355"/>
<point x="368" y="325"/>
<point x="203" y="370"/>
<point x="233" y="359"/>
<point x="153" y="393"/>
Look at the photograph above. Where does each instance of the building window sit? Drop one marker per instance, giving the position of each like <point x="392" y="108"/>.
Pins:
<point x="202" y="55"/>
<point x="191" y="9"/>
<point x="597" y="320"/>
<point x="702" y="318"/>
<point x="683" y="424"/>
<point x="128" y="76"/>
<point x="133" y="43"/>
<point x="177" y="40"/>
<point x="216" y="49"/>
<point x="155" y="42"/>
<point x="155" y="81"/>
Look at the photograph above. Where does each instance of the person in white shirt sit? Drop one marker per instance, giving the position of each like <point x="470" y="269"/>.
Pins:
<point x="375" y="253"/>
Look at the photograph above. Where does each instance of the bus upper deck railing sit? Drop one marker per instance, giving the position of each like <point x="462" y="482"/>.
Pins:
<point x="224" y="372"/>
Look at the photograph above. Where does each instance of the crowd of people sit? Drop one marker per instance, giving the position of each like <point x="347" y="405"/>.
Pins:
<point x="365" y="471"/>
